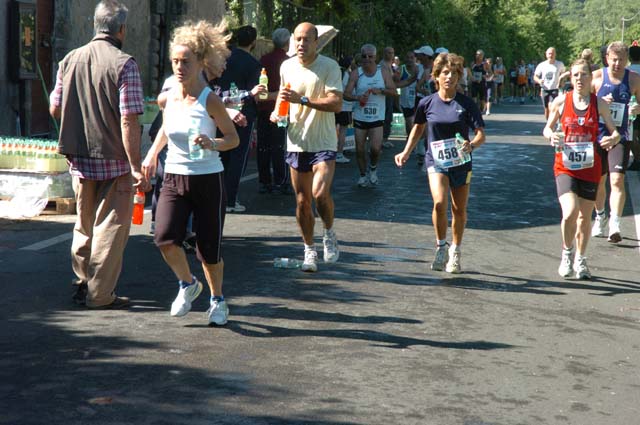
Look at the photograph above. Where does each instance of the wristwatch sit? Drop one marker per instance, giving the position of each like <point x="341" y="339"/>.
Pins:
<point x="304" y="100"/>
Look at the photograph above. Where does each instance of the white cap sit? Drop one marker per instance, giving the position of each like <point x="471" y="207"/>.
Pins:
<point x="441" y="50"/>
<point x="424" y="50"/>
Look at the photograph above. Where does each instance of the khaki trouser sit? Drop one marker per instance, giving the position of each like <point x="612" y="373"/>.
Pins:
<point x="100" y="235"/>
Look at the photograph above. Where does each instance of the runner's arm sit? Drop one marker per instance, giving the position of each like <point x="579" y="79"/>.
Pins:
<point x="351" y="85"/>
<point x="412" y="141"/>
<point x="608" y="142"/>
<point x="554" y="115"/>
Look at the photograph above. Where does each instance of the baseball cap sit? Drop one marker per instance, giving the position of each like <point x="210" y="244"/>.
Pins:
<point x="424" y="50"/>
<point x="441" y="50"/>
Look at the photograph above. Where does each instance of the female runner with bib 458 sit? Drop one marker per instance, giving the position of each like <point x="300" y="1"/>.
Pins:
<point x="449" y="115"/>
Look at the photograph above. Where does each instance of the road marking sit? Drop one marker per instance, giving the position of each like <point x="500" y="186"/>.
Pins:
<point x="633" y="181"/>
<point x="65" y="237"/>
<point x="249" y="177"/>
<point x="48" y="242"/>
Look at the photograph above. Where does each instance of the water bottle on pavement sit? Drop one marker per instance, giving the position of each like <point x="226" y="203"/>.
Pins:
<point x="286" y="263"/>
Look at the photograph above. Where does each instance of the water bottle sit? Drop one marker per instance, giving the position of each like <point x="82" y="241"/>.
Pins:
<point x="234" y="97"/>
<point x="632" y="102"/>
<point x="195" y="151"/>
<point x="464" y="156"/>
<point x="286" y="263"/>
<point x="263" y="81"/>
<point x="283" y="111"/>
<point x="560" y="146"/>
<point x="138" y="207"/>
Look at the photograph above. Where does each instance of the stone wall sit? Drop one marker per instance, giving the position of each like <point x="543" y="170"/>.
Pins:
<point x="149" y="23"/>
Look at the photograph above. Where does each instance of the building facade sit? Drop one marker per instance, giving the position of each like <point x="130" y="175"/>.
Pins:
<point x="62" y="25"/>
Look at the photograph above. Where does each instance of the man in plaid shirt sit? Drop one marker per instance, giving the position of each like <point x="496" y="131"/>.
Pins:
<point x="98" y="97"/>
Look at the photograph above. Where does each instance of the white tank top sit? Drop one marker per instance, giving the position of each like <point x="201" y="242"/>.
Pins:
<point x="347" y="105"/>
<point x="375" y="108"/>
<point x="178" y="119"/>
<point x="408" y="93"/>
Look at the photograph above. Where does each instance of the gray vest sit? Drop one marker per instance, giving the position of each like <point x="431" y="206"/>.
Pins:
<point x="90" y="120"/>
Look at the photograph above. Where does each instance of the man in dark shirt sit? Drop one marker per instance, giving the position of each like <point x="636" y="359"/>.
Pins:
<point x="271" y="138"/>
<point x="243" y="70"/>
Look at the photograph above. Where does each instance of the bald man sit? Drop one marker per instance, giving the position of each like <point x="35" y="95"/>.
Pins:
<point x="315" y="95"/>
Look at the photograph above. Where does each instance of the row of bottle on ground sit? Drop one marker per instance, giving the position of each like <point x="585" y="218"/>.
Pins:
<point x="31" y="155"/>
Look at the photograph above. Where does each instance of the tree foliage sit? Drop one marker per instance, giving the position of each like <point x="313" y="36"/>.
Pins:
<point x="594" y="23"/>
<point x="512" y="29"/>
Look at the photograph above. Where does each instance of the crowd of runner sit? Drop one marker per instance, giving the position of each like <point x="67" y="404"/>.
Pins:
<point x="589" y="116"/>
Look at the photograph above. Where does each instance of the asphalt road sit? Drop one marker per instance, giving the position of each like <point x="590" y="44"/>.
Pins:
<point x="377" y="338"/>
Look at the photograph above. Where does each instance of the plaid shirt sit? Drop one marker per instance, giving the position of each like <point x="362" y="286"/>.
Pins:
<point x="131" y="102"/>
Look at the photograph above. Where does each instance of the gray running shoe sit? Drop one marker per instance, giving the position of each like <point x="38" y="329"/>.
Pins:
<point x="581" y="268"/>
<point x="310" y="263"/>
<point x="441" y="259"/>
<point x="566" y="263"/>
<point x="218" y="313"/>
<point x="599" y="229"/>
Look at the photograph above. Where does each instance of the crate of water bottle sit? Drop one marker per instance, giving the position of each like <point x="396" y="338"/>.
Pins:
<point x="38" y="155"/>
<point x="45" y="185"/>
<point x="397" y="125"/>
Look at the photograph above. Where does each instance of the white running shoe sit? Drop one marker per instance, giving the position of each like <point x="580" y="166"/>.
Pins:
<point x="218" y="313"/>
<point x="182" y="304"/>
<point x="237" y="208"/>
<point x="310" y="263"/>
<point x="599" y="228"/>
<point x="373" y="176"/>
<point x="363" y="181"/>
<point x="341" y="159"/>
<point x="453" y="265"/>
<point x="442" y="256"/>
<point x="331" y="250"/>
<point x="614" y="232"/>
<point x="566" y="263"/>
<point x="581" y="268"/>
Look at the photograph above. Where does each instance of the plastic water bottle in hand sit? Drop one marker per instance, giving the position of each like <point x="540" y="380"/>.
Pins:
<point x="283" y="111"/>
<point x="263" y="81"/>
<point x="464" y="156"/>
<point x="138" y="207"/>
<point x="195" y="150"/>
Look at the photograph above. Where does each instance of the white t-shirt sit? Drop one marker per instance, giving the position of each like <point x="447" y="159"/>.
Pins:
<point x="549" y="73"/>
<point x="311" y="130"/>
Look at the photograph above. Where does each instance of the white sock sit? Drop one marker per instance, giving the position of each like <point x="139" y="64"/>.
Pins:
<point x="441" y="242"/>
<point x="454" y="248"/>
<point x="311" y="247"/>
<point x="601" y="212"/>
<point x="614" y="219"/>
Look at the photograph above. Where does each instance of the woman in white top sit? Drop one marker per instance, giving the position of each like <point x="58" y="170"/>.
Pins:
<point x="193" y="183"/>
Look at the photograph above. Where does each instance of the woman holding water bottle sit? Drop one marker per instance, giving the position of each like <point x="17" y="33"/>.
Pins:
<point x="577" y="166"/>
<point x="193" y="180"/>
<point x="448" y="115"/>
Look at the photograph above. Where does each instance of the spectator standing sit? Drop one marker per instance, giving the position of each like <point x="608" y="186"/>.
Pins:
<point x="98" y="97"/>
<point x="243" y="70"/>
<point x="271" y="138"/>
